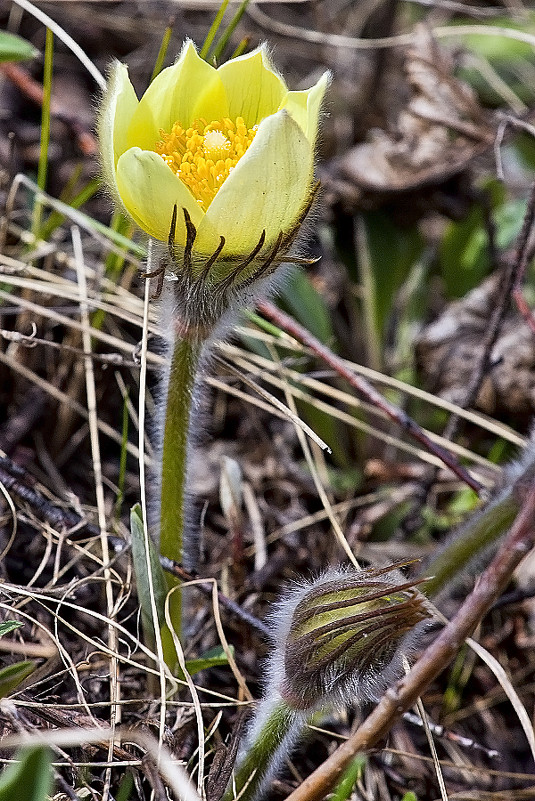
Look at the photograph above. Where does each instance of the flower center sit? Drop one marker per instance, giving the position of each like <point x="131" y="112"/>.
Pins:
<point x="204" y="155"/>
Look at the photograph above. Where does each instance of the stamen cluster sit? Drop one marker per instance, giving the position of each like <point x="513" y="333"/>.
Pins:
<point x="204" y="154"/>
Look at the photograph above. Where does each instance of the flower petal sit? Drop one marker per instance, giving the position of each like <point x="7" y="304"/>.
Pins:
<point x="118" y="105"/>
<point x="149" y="191"/>
<point x="179" y="93"/>
<point x="305" y="106"/>
<point x="265" y="191"/>
<point x="253" y="88"/>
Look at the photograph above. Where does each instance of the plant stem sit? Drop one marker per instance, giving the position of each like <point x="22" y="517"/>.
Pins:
<point x="470" y="541"/>
<point x="434" y="658"/>
<point x="182" y="374"/>
<point x="272" y="740"/>
<point x="42" y="169"/>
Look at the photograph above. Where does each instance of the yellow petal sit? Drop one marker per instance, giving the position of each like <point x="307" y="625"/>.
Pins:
<point x="266" y="190"/>
<point x="178" y="93"/>
<point x="253" y="88"/>
<point x="149" y="191"/>
<point x="118" y="105"/>
<point x="305" y="106"/>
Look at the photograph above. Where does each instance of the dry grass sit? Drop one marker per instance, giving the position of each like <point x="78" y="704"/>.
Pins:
<point x="77" y="348"/>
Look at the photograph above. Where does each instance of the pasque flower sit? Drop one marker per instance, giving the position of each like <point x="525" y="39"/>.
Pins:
<point x="219" y="165"/>
<point x="217" y="162"/>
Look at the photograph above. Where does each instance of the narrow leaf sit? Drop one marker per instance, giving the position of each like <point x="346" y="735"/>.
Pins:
<point x="13" y="48"/>
<point x="9" y="625"/>
<point x="31" y="778"/>
<point x="139" y="558"/>
<point x="12" y="675"/>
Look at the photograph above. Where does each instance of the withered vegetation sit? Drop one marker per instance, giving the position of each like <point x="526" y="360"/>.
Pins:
<point x="424" y="228"/>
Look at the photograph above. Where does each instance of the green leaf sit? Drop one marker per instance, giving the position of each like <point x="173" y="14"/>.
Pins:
<point x="12" y="675"/>
<point x="464" y="257"/>
<point x="141" y="573"/>
<point x="498" y="48"/>
<point x="126" y="787"/>
<point x="392" y="251"/>
<point x="215" y="657"/>
<point x="9" y="625"/>
<point x="350" y="776"/>
<point x="159" y="586"/>
<point x="307" y="306"/>
<point x="31" y="778"/>
<point x="13" y="48"/>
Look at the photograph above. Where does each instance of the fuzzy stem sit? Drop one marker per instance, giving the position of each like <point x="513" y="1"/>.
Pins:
<point x="182" y="374"/>
<point x="267" y="745"/>
<point x="481" y="532"/>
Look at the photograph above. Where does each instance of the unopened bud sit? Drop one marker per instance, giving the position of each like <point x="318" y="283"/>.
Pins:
<point x="343" y="639"/>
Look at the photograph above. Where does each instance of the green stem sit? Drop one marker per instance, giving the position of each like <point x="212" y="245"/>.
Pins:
<point x="276" y="736"/>
<point x="182" y="374"/>
<point x="42" y="168"/>
<point x="470" y="540"/>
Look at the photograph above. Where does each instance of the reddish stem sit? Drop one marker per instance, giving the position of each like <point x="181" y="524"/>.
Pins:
<point x="412" y="428"/>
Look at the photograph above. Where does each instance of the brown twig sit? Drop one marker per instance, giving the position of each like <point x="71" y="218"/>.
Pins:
<point x="300" y="333"/>
<point x="227" y="603"/>
<point x="436" y="657"/>
<point x="523" y="257"/>
<point x="15" y="479"/>
<point x="34" y="92"/>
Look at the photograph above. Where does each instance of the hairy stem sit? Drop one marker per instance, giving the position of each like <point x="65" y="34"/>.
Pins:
<point x="275" y="731"/>
<point x="470" y="541"/>
<point x="178" y="405"/>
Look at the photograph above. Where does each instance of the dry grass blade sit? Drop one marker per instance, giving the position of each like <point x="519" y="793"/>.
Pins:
<point x="115" y="710"/>
<point x="81" y="348"/>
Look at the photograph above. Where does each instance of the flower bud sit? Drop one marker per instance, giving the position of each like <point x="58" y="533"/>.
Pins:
<point x="343" y="638"/>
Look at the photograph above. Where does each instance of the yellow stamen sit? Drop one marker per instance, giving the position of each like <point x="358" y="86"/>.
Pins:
<point x="204" y="155"/>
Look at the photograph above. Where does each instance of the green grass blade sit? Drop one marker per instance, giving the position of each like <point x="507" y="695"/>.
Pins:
<point x="12" y="675"/>
<point x="242" y="47"/>
<point x="42" y="169"/>
<point x="350" y="776"/>
<point x="55" y="219"/>
<point x="229" y="30"/>
<point x="9" y="625"/>
<point x="141" y="573"/>
<point x="214" y="27"/>
<point x="162" y="52"/>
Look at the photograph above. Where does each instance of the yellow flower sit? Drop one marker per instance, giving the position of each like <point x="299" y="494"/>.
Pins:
<point x="231" y="148"/>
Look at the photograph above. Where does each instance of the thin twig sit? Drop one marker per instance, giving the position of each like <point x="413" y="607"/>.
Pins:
<point x="14" y="479"/>
<point x="300" y="333"/>
<point x="226" y="602"/>
<point x="522" y="258"/>
<point x="436" y="657"/>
